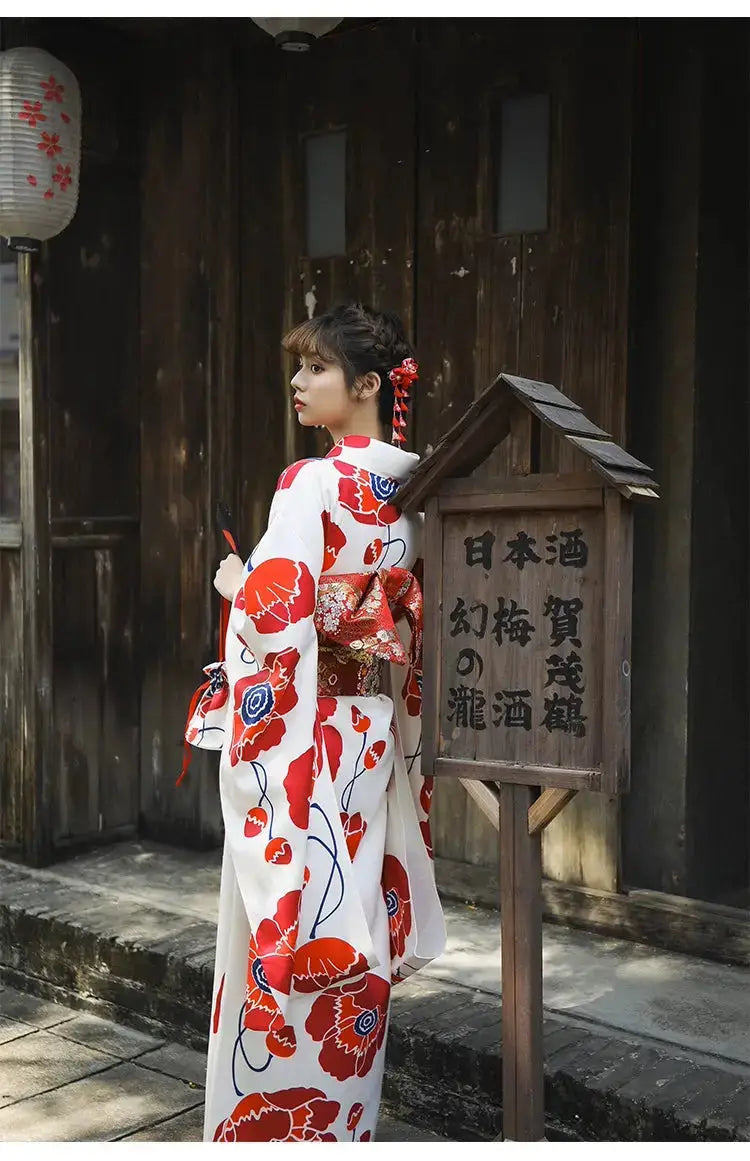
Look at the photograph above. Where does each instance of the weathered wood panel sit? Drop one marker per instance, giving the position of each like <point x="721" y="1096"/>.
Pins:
<point x="188" y="381"/>
<point x="11" y="690"/>
<point x="550" y="306"/>
<point x="324" y="91"/>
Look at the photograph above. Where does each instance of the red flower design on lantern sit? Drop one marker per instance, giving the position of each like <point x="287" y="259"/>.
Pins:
<point x="276" y="594"/>
<point x="334" y="540"/>
<point x="395" y="887"/>
<point x="350" y="1021"/>
<point x="49" y="144"/>
<point x="366" y="495"/>
<point x="53" y="90"/>
<point x="32" y="112"/>
<point x="354" y="831"/>
<point x="291" y="1114"/>
<point x="260" y="703"/>
<point x="62" y="175"/>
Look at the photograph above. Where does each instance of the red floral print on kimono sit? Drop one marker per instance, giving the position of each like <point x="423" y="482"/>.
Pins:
<point x="327" y="893"/>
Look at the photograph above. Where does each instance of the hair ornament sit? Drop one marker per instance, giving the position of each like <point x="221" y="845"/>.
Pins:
<point x="402" y="378"/>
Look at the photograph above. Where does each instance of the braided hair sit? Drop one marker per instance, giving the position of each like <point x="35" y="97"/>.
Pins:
<point x="360" y="340"/>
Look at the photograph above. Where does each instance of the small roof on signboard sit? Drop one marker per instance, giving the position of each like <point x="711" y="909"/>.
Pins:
<point x="487" y="422"/>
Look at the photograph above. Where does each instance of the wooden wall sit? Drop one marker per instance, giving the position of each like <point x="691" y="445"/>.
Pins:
<point x="195" y="85"/>
<point x="550" y="306"/>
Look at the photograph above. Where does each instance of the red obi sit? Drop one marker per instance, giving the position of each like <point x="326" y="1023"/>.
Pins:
<point x="355" y="616"/>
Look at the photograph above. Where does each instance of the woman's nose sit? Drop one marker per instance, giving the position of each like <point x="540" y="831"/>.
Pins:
<point x="296" y="381"/>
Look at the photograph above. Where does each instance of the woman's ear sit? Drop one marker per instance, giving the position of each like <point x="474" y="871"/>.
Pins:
<point x="368" y="385"/>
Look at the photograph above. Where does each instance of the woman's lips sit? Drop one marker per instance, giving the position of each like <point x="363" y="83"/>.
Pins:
<point x="297" y="405"/>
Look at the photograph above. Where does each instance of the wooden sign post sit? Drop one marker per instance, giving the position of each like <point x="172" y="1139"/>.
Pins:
<point x="527" y="673"/>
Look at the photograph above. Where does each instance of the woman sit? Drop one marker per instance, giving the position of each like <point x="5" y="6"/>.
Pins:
<point x="327" y="891"/>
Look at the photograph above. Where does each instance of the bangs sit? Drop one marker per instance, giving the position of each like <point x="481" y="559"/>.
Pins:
<point x="313" y="339"/>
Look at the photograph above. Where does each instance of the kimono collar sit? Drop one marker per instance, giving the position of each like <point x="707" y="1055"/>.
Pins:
<point x="375" y="456"/>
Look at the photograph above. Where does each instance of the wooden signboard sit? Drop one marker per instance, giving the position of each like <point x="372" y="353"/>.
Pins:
<point x="526" y="689"/>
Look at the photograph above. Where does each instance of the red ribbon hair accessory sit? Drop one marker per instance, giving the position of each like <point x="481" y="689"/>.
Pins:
<point x="402" y="378"/>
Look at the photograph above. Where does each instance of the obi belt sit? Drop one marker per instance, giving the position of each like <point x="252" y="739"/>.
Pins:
<point x="355" y="618"/>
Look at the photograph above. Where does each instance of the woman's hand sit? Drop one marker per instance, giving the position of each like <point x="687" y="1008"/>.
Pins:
<point x="229" y="575"/>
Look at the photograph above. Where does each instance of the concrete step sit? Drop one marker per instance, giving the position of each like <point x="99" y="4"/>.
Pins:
<point x="127" y="933"/>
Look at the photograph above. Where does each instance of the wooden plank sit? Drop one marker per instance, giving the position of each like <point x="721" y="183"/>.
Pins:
<point x="510" y="485"/>
<point x="520" y="775"/>
<point x="690" y="926"/>
<point x="608" y="453"/>
<point x="618" y="583"/>
<point x="36" y="672"/>
<point x="10" y="534"/>
<point x="529" y="389"/>
<point x="546" y="807"/>
<point x="521" y="919"/>
<point x="519" y="501"/>
<point x="11" y="700"/>
<point x="567" y="421"/>
<point x="433" y="599"/>
<point x="623" y="479"/>
<point x="487" y="797"/>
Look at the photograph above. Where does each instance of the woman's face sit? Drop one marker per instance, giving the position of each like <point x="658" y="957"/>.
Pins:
<point x="321" y="396"/>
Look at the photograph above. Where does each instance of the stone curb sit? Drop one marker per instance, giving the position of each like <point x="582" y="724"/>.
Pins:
<point x="63" y="942"/>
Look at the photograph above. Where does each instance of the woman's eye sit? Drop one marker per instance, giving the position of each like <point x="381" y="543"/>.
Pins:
<point x="315" y="368"/>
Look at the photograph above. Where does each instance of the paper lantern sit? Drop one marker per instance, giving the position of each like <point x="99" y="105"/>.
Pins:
<point x="296" y="33"/>
<point x="40" y="146"/>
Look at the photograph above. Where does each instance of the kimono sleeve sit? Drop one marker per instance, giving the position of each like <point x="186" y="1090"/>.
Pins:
<point x="273" y="773"/>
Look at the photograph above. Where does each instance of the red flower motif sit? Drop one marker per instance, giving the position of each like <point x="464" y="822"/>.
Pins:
<point x="373" y="754"/>
<point x="282" y="1041"/>
<point x="334" y="540"/>
<point x="366" y="495"/>
<point x="322" y="962"/>
<point x="426" y="836"/>
<point x="412" y="694"/>
<point x="299" y="786"/>
<point x="261" y="1013"/>
<point x="395" y="887"/>
<point x="215" y="697"/>
<point x="366" y="1136"/>
<point x="289" y="475"/>
<point x="278" y="593"/>
<point x="217" y="1005"/>
<point x="53" y="91"/>
<point x="354" y="1116"/>
<point x="327" y="707"/>
<point x="31" y="179"/>
<point x="32" y="112"/>
<point x="49" y="144"/>
<point x="256" y="821"/>
<point x="334" y="746"/>
<point x="62" y="176"/>
<point x="275" y="941"/>
<point x="291" y="1114"/>
<point x="350" y="1023"/>
<point x="49" y="194"/>
<point x="425" y="794"/>
<point x="373" y="551"/>
<point x="360" y="721"/>
<point x="64" y="117"/>
<point x="278" y="852"/>
<point x="354" y="831"/>
<point x="260" y="702"/>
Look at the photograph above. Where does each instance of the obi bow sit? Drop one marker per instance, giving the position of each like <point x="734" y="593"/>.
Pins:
<point x="359" y="610"/>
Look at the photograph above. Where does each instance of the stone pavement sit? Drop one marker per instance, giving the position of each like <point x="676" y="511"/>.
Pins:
<point x="70" y="1076"/>
<point x="640" y="1043"/>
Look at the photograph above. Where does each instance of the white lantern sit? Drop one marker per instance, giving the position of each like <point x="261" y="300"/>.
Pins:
<point x="296" y="33"/>
<point x="40" y="146"/>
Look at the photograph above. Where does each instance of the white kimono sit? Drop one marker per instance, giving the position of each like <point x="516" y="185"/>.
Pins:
<point x="327" y="891"/>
